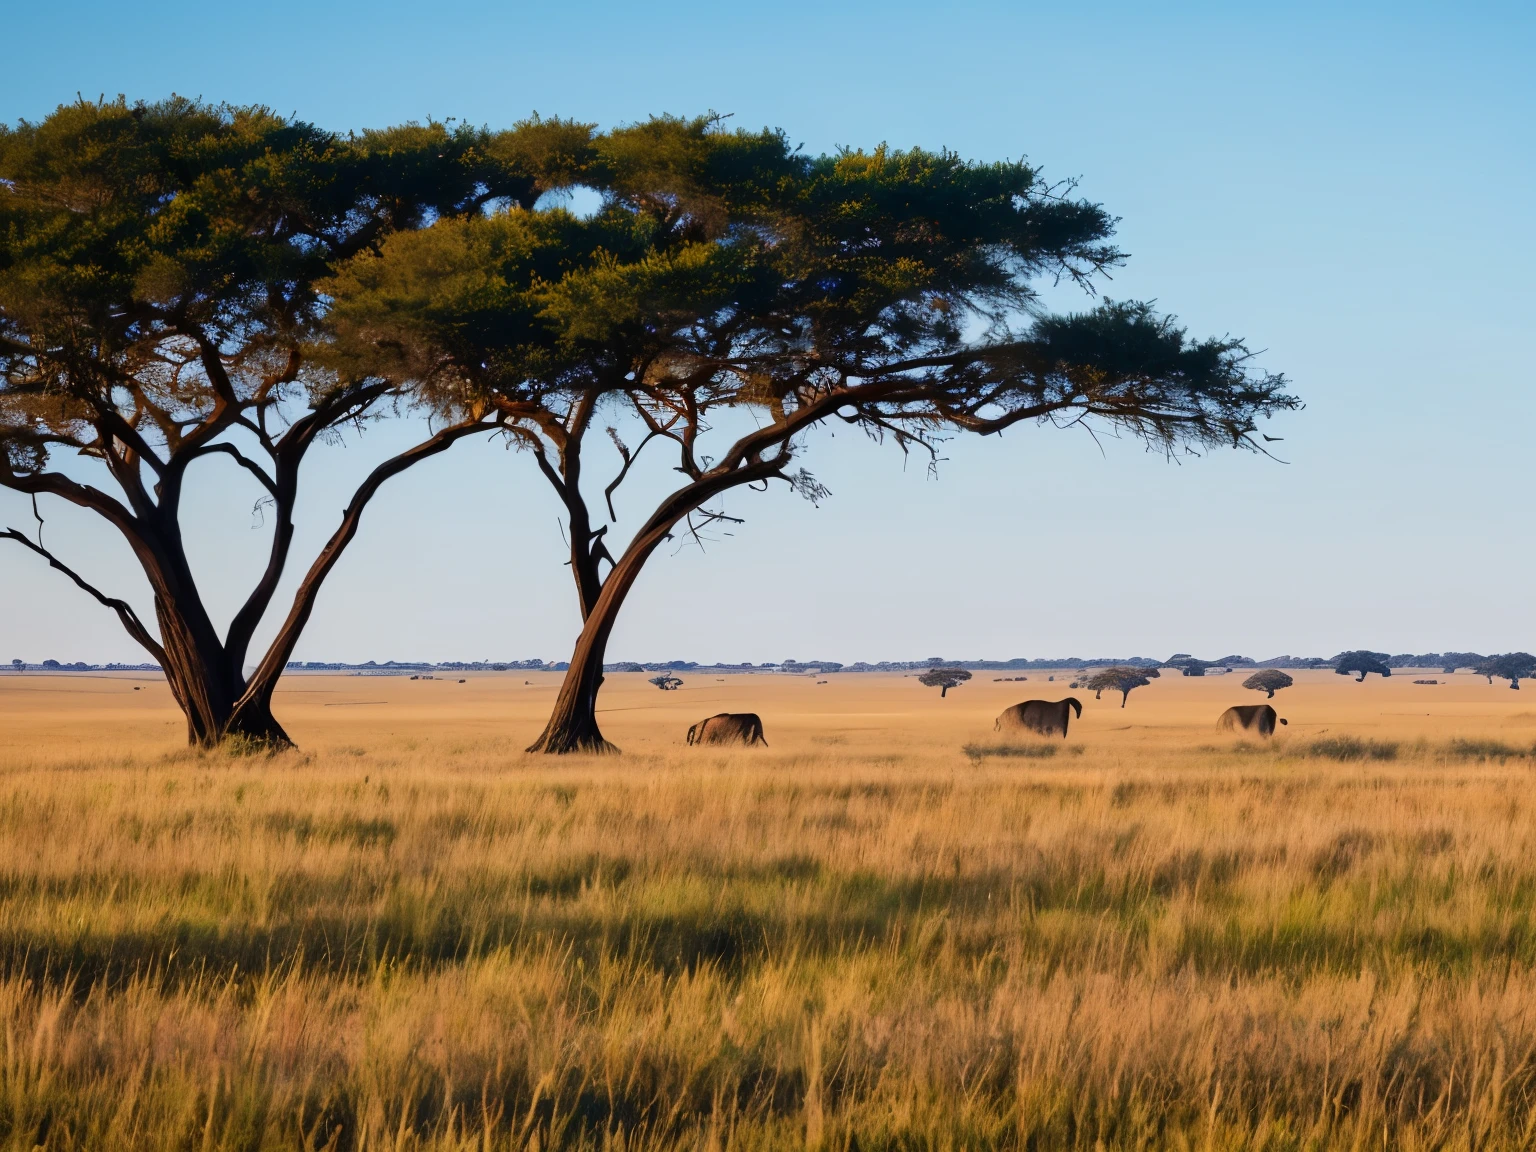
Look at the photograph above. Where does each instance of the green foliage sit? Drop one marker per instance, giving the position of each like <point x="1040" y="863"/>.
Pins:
<point x="720" y="260"/>
<point x="130" y="230"/>
<point x="666" y="683"/>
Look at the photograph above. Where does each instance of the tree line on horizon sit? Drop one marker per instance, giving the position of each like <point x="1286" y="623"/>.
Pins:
<point x="183" y="281"/>
<point x="1448" y="662"/>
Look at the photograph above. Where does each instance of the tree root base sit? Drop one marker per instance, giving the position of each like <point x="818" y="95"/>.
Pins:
<point x="567" y="744"/>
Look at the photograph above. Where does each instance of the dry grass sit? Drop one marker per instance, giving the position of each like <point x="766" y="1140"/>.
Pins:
<point x="410" y="935"/>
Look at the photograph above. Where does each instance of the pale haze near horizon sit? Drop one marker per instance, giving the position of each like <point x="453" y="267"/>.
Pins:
<point x="1346" y="187"/>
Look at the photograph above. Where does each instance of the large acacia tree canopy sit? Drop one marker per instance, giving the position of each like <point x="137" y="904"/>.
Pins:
<point x="894" y="289"/>
<point x="135" y="240"/>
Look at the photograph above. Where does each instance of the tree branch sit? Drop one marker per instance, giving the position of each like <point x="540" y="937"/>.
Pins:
<point x="276" y="658"/>
<point x="124" y="610"/>
<point x="245" y="462"/>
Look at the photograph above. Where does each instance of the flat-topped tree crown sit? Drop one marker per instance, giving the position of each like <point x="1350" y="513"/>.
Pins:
<point x="159" y="291"/>
<point x="1121" y="679"/>
<point x="894" y="291"/>
<point x="1269" y="681"/>
<point x="943" y="679"/>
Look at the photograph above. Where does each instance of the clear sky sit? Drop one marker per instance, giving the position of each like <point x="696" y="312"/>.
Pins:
<point x="1348" y="186"/>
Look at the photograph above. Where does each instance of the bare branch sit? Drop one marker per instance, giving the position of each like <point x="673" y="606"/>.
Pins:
<point x="245" y="462"/>
<point x="277" y="655"/>
<point x="629" y="459"/>
<point x="125" y="613"/>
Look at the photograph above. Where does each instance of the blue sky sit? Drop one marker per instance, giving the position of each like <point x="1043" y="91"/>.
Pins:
<point x="1349" y="187"/>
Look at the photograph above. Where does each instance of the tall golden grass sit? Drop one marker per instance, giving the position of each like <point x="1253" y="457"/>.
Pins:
<point x="853" y="939"/>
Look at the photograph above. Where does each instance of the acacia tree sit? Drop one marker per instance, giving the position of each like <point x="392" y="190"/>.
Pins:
<point x="943" y="679"/>
<point x="726" y="273"/>
<point x="1269" y="681"/>
<point x="158" y="270"/>
<point x="1511" y="666"/>
<point x="1121" y="680"/>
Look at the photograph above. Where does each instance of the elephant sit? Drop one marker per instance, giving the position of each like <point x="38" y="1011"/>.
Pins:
<point x="1047" y="717"/>
<point x="729" y="728"/>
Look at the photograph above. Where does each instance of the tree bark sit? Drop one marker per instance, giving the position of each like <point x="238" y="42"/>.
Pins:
<point x="572" y="725"/>
<point x="210" y="688"/>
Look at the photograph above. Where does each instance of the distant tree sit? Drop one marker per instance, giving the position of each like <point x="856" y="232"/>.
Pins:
<point x="1121" y="680"/>
<point x="1450" y="661"/>
<point x="1362" y="662"/>
<point x="728" y="280"/>
<point x="158" y="304"/>
<point x="1512" y="666"/>
<point x="944" y="679"/>
<point x="1187" y="664"/>
<point x="1270" y="681"/>
<point x="666" y="683"/>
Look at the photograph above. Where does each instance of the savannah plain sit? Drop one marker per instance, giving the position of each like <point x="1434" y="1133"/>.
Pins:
<point x="408" y="934"/>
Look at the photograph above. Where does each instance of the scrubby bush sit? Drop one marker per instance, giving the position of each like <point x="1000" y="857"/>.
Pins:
<point x="1469" y="748"/>
<point x="977" y="752"/>
<point x="1352" y="748"/>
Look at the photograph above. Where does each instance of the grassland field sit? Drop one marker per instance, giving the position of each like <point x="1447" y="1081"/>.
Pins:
<point x="408" y="934"/>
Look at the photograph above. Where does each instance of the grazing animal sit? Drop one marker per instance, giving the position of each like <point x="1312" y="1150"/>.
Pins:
<point x="1047" y="717"/>
<point x="729" y="728"/>
<point x="1259" y="718"/>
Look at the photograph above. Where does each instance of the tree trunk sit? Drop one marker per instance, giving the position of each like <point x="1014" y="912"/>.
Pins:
<point x="943" y="691"/>
<point x="209" y="689"/>
<point x="252" y="720"/>
<point x="572" y="726"/>
<point x="1124" y="696"/>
